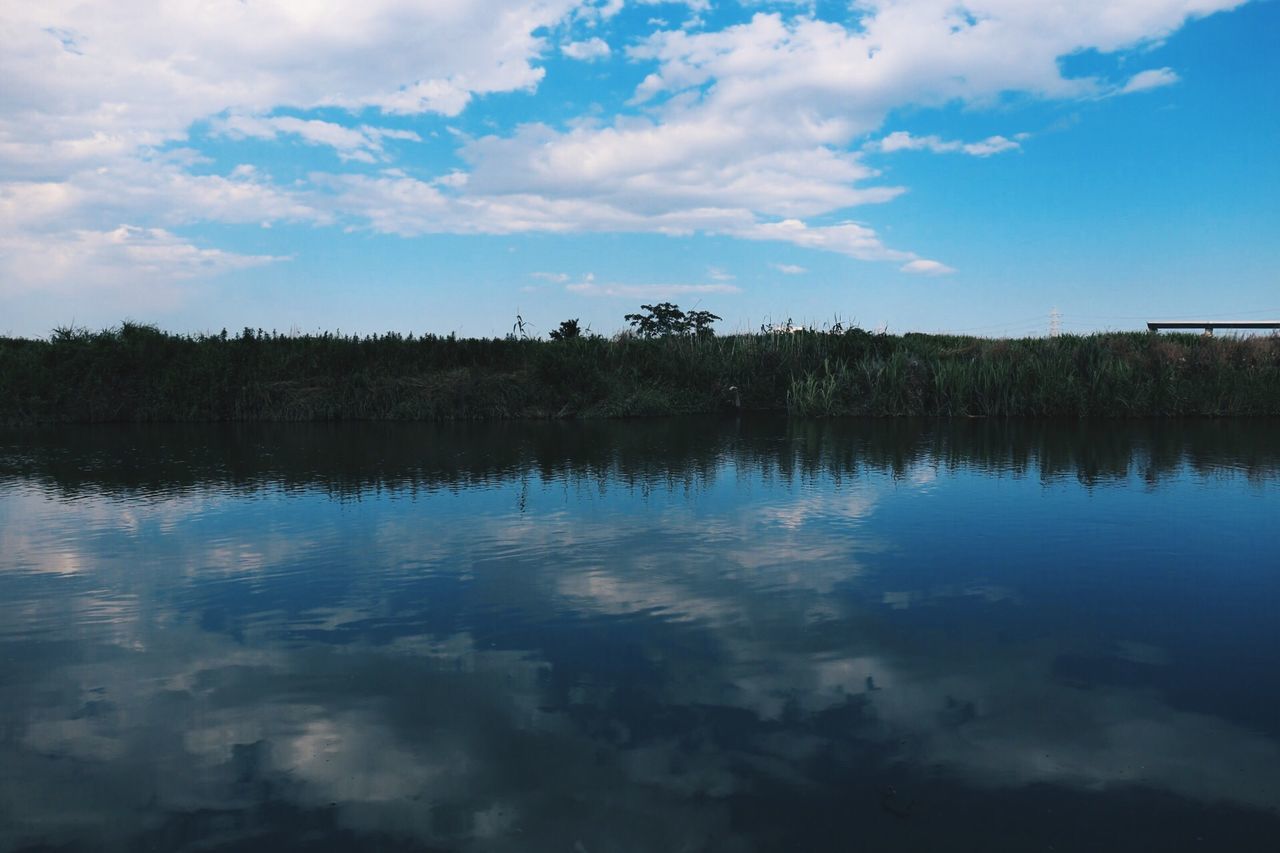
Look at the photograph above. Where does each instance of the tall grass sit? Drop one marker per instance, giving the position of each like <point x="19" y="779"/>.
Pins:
<point x="139" y="373"/>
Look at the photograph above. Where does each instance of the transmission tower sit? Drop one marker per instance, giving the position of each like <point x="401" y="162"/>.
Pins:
<point x="1055" y="323"/>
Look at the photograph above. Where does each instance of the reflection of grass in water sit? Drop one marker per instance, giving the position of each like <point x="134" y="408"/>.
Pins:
<point x="665" y="453"/>
<point x="137" y="373"/>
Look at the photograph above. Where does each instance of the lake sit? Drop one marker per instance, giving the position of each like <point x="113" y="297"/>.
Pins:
<point x="672" y="635"/>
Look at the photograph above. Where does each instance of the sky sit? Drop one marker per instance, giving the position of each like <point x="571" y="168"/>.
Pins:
<point x="448" y="165"/>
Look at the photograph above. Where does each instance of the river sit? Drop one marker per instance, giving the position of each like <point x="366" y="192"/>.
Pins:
<point x="674" y="635"/>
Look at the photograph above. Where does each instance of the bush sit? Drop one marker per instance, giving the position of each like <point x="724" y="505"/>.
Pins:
<point x="568" y="331"/>
<point x="139" y="373"/>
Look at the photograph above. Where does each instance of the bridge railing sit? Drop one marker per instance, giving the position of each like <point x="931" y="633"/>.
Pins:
<point x="1210" y="325"/>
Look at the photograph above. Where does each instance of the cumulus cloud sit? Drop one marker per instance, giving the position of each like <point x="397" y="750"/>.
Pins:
<point x="1153" y="78"/>
<point x="650" y="167"/>
<point x="754" y="130"/>
<point x="590" y="287"/>
<point x="789" y="269"/>
<point x="145" y="72"/>
<point x="125" y="256"/>
<point x="746" y="130"/>
<point x="900" y="140"/>
<point x="847" y="238"/>
<point x="398" y="204"/>
<point x="589" y="50"/>
<point x="363" y="143"/>
<point x="926" y="267"/>
<point x="92" y="92"/>
<point x="159" y="190"/>
<point x="53" y="237"/>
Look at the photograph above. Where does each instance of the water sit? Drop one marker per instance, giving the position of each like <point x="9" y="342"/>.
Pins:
<point x="654" y="636"/>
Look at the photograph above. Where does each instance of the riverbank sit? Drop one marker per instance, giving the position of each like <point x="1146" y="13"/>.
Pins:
<point x="139" y="374"/>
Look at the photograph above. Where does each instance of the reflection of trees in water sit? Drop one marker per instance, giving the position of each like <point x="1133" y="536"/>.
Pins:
<point x="587" y="681"/>
<point x="350" y="458"/>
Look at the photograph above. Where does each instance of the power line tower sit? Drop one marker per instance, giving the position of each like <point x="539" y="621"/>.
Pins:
<point x="1055" y="323"/>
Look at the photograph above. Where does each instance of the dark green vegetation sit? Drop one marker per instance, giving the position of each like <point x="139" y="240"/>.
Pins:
<point x="665" y="320"/>
<point x="138" y="373"/>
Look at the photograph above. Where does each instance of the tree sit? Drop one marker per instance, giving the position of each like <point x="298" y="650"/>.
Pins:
<point x="569" y="330"/>
<point x="666" y="319"/>
<point x="700" y="322"/>
<point x="659" y="321"/>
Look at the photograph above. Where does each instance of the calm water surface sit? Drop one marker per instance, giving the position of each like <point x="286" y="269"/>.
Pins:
<point x="663" y="636"/>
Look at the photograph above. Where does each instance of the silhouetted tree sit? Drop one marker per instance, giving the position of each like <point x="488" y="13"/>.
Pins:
<point x="666" y="319"/>
<point x="568" y="331"/>
<point x="700" y="322"/>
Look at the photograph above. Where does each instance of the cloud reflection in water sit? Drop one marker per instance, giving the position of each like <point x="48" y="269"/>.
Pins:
<point x="689" y="635"/>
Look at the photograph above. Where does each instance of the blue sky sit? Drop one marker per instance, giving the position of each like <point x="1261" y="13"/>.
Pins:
<point x="963" y="165"/>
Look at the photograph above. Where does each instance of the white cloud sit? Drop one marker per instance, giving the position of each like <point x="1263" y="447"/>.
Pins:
<point x="52" y="239"/>
<point x="409" y="207"/>
<point x="718" y="274"/>
<point x="745" y="130"/>
<point x="141" y="259"/>
<point x="847" y="238"/>
<point x="650" y="167"/>
<point x="390" y="204"/>
<point x="596" y="11"/>
<point x="1153" y="78"/>
<point x="750" y="131"/>
<point x="558" y="277"/>
<point x="158" y="190"/>
<point x="590" y="287"/>
<point x="363" y="143"/>
<point x="990" y="145"/>
<point x="925" y="267"/>
<point x="789" y="269"/>
<point x="900" y="140"/>
<point x="144" y="73"/>
<point x="692" y="5"/>
<point x="589" y="50"/>
<point x="92" y="91"/>
<point x="54" y="236"/>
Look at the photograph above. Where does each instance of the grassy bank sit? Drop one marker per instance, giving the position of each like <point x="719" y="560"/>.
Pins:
<point x="137" y="373"/>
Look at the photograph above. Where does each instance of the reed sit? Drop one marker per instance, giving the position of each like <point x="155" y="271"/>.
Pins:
<point x="138" y="373"/>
